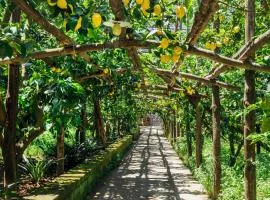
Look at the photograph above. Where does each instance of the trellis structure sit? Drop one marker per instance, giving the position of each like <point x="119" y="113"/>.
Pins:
<point x="243" y="59"/>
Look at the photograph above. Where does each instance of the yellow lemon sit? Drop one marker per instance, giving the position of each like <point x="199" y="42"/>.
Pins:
<point x="181" y="11"/>
<point x="208" y="45"/>
<point x="144" y="12"/>
<point x="62" y="4"/>
<point x="190" y="91"/>
<point x="164" y="43"/>
<point x="236" y="29"/>
<point x="139" y="2"/>
<point x="157" y="10"/>
<point x="53" y="69"/>
<point x="116" y="29"/>
<point x="96" y="20"/>
<point x="125" y="2"/>
<point x="165" y="58"/>
<point x="177" y="50"/>
<point x="105" y="71"/>
<point x="79" y="24"/>
<point x="159" y="31"/>
<point x="226" y="41"/>
<point x="146" y="5"/>
<point x="52" y="2"/>
<point x="175" y="58"/>
<point x="65" y="23"/>
<point x="221" y="17"/>
<point x="213" y="46"/>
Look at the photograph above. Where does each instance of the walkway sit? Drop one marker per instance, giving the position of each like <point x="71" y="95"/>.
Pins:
<point x="152" y="170"/>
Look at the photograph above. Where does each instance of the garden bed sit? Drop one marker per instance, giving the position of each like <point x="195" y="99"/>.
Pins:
<point x="78" y="182"/>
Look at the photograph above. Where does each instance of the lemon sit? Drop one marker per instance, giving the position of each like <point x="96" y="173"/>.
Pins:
<point x="62" y="4"/>
<point x="96" y="20"/>
<point x="177" y="50"/>
<point x="159" y="31"/>
<point x="139" y="2"/>
<point x="144" y="12"/>
<point x="65" y="23"/>
<point x="164" y="43"/>
<point x="213" y="46"/>
<point x="208" y="45"/>
<point x="190" y="91"/>
<point x="226" y="41"/>
<point x="157" y="10"/>
<point x="146" y="5"/>
<point x="52" y="2"/>
<point x="175" y="58"/>
<point x="125" y="2"/>
<point x="116" y="29"/>
<point x="181" y="11"/>
<point x="221" y="17"/>
<point x="165" y="58"/>
<point x="105" y="71"/>
<point x="236" y="29"/>
<point x="79" y="24"/>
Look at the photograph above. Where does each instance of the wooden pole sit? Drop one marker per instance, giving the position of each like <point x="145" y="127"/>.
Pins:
<point x="61" y="151"/>
<point x="9" y="142"/>
<point x="249" y="118"/>
<point x="216" y="141"/>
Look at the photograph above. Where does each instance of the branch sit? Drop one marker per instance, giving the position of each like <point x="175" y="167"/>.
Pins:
<point x="197" y="78"/>
<point x="47" y="26"/>
<point x="71" y="50"/>
<point x="2" y="113"/>
<point x="243" y="53"/>
<point x="202" y="17"/>
<point x="39" y="19"/>
<point x="227" y="61"/>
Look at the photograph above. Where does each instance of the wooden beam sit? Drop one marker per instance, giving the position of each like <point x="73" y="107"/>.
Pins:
<point x="76" y="49"/>
<point x="206" y="11"/>
<point x="243" y="53"/>
<point x="199" y="79"/>
<point x="227" y="61"/>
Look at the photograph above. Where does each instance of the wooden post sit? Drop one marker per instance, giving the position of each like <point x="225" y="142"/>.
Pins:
<point x="9" y="142"/>
<point x="61" y="151"/>
<point x="188" y="132"/>
<point x="99" y="125"/>
<point x="198" y="134"/>
<point x="216" y="141"/>
<point x="249" y="118"/>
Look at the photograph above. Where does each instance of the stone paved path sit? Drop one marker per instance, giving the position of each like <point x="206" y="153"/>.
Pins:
<point x="151" y="170"/>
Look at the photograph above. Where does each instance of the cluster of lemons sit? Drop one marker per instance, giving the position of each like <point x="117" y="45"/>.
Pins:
<point x="62" y="4"/>
<point x="165" y="42"/>
<point x="213" y="45"/>
<point x="166" y="58"/>
<point x="56" y="70"/>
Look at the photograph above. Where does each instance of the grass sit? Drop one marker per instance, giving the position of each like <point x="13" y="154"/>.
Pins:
<point x="232" y="177"/>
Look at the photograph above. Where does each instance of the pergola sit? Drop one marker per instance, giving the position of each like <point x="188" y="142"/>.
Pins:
<point x="242" y="59"/>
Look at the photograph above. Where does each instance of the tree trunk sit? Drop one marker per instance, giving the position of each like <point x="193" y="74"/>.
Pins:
<point x="216" y="141"/>
<point x="80" y="132"/>
<point x="249" y="118"/>
<point x="61" y="151"/>
<point x="188" y="133"/>
<point x="198" y="135"/>
<point x="99" y="123"/>
<point x="9" y="141"/>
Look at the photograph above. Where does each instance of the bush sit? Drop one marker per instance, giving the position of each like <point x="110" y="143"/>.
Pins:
<point x="35" y="169"/>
